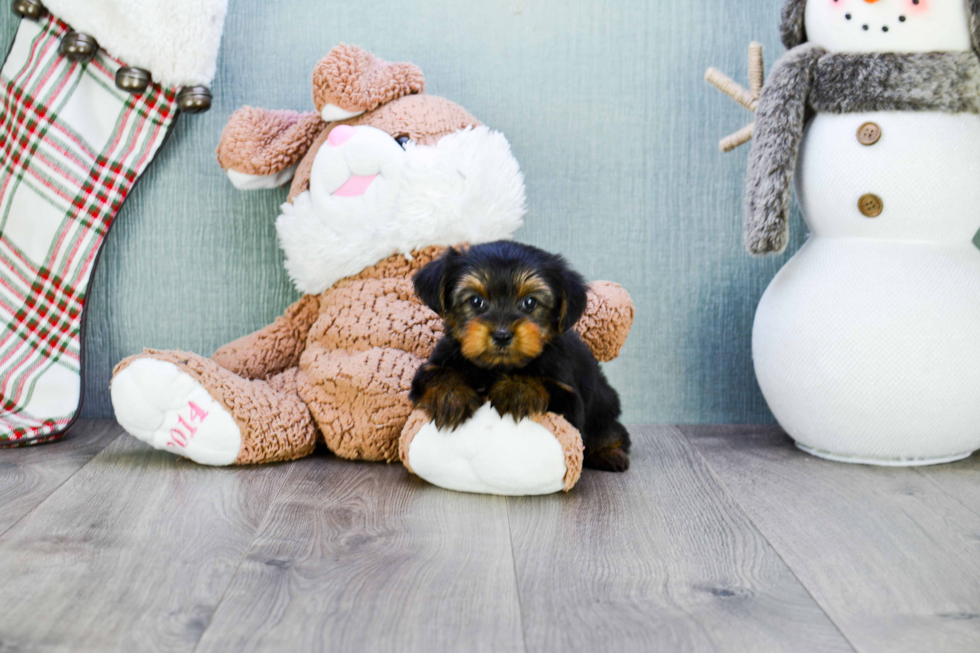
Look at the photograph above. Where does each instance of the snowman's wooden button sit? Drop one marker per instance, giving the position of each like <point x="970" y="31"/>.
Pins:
<point x="869" y="133"/>
<point x="870" y="205"/>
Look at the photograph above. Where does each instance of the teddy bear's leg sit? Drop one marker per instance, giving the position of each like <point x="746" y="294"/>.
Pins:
<point x="274" y="348"/>
<point x="491" y="454"/>
<point x="360" y="400"/>
<point x="190" y="405"/>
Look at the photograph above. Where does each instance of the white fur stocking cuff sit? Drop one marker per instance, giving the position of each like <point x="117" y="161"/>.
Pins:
<point x="176" y="40"/>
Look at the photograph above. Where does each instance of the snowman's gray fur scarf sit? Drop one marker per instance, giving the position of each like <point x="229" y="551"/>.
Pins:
<point x="779" y="121"/>
<point x="808" y="79"/>
<point x="793" y="31"/>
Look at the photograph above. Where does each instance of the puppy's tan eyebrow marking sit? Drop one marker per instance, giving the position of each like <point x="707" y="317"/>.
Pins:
<point x="529" y="282"/>
<point x="471" y="282"/>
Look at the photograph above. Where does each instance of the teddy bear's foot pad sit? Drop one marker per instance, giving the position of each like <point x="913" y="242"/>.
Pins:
<point x="490" y="454"/>
<point x="168" y="409"/>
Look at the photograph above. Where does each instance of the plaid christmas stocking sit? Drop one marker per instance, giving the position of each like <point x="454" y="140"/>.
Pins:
<point x="72" y="146"/>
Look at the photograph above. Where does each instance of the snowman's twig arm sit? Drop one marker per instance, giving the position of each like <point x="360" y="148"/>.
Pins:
<point x="731" y="88"/>
<point x="757" y="71"/>
<point x="741" y="137"/>
<point x="747" y="98"/>
<point x="779" y="123"/>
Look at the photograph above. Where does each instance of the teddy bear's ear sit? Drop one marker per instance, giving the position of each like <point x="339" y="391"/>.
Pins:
<point x="349" y="81"/>
<point x="260" y="148"/>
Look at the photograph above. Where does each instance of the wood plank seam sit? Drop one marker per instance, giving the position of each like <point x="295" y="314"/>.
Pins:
<point x="365" y="558"/>
<point x="762" y="534"/>
<point x="946" y="491"/>
<point x="58" y="487"/>
<point x="248" y="550"/>
<point x="660" y="558"/>
<point x="517" y="584"/>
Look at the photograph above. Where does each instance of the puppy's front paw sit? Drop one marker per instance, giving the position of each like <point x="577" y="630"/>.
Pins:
<point x="454" y="408"/>
<point x="520" y="396"/>
<point x="450" y="402"/>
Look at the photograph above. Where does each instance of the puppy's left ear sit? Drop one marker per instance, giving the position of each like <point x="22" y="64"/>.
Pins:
<point x="574" y="298"/>
<point x="432" y="281"/>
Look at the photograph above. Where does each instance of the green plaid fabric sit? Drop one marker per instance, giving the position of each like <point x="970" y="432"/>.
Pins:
<point x="71" y="148"/>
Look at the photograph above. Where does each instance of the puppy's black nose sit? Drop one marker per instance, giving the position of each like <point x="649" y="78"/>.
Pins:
<point x="502" y="337"/>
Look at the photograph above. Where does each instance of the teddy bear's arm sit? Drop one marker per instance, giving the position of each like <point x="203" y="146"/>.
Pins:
<point x="607" y="319"/>
<point x="260" y="148"/>
<point x="274" y="348"/>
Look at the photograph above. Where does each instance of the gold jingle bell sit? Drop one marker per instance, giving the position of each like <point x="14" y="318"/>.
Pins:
<point x="132" y="79"/>
<point x="79" y="47"/>
<point x="32" y="9"/>
<point x="194" y="99"/>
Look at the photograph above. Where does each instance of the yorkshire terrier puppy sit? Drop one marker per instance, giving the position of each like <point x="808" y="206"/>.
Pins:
<point x="508" y="311"/>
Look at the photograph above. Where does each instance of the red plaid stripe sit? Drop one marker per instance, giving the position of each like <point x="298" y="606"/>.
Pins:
<point x="71" y="148"/>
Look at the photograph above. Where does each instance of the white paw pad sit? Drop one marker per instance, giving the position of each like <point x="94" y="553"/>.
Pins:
<point x="168" y="409"/>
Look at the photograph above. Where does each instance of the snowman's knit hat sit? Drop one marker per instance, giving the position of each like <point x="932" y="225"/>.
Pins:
<point x="793" y="31"/>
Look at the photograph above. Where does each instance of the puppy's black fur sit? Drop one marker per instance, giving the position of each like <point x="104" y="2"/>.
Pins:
<point x="508" y="310"/>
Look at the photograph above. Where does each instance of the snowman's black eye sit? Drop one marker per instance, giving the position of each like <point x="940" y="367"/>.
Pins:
<point x="901" y="19"/>
<point x="401" y="139"/>
<point x="847" y="16"/>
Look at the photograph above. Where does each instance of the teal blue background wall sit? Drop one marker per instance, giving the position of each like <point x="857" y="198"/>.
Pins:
<point x="605" y="106"/>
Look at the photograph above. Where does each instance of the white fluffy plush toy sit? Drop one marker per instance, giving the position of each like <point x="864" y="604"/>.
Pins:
<point x="865" y="344"/>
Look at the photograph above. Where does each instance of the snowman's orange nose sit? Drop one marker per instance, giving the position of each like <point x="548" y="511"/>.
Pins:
<point x="871" y="2"/>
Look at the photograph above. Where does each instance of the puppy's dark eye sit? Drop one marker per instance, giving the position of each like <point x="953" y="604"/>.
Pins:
<point x="529" y="304"/>
<point x="401" y="139"/>
<point x="477" y="303"/>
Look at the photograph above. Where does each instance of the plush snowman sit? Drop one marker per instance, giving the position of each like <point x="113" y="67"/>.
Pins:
<point x="867" y="343"/>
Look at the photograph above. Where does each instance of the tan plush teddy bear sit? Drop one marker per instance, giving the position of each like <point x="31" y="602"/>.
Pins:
<point x="384" y="178"/>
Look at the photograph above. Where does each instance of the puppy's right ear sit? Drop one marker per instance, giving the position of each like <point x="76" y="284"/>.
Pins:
<point x="574" y="297"/>
<point x="432" y="282"/>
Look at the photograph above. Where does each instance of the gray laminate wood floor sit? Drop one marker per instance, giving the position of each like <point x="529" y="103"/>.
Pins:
<point x="721" y="538"/>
